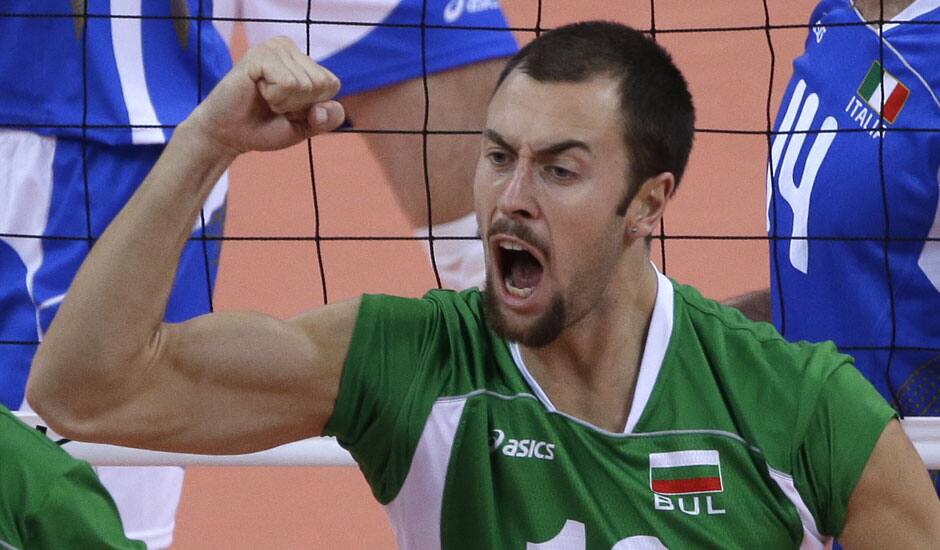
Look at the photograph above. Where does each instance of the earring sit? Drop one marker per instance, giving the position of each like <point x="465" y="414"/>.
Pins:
<point x="633" y="230"/>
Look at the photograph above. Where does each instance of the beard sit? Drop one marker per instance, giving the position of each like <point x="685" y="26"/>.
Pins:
<point x="542" y="332"/>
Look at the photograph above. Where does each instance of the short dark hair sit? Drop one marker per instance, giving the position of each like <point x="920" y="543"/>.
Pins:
<point x="655" y="103"/>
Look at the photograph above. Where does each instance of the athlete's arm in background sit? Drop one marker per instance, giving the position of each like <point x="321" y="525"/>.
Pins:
<point x="893" y="505"/>
<point x="754" y="305"/>
<point x="109" y="370"/>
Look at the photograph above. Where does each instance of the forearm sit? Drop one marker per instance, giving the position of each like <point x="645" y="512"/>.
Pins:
<point x="110" y="370"/>
<point x="754" y="305"/>
<point x="106" y="329"/>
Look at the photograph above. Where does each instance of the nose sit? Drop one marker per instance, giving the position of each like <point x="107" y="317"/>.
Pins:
<point x="517" y="199"/>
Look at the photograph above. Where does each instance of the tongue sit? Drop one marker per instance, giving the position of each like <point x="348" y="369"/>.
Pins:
<point x="525" y="272"/>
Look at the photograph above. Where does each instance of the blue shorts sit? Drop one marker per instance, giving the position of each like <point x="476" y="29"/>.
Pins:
<point x="43" y="193"/>
<point x="382" y="43"/>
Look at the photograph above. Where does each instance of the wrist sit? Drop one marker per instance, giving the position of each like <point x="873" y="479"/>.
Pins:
<point x="192" y="135"/>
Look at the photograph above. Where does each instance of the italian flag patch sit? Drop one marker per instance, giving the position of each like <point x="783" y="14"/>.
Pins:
<point x="684" y="472"/>
<point x="887" y="99"/>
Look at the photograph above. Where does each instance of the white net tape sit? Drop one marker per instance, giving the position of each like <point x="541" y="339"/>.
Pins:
<point x="924" y="431"/>
<point x="324" y="451"/>
<point x="316" y="451"/>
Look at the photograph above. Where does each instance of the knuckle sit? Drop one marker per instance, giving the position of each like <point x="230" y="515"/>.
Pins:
<point x="276" y="94"/>
<point x="290" y="83"/>
<point x="328" y="83"/>
<point x="280" y="41"/>
<point x="277" y="106"/>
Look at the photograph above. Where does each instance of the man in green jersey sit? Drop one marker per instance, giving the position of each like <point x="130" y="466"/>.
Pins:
<point x="49" y="499"/>
<point x="584" y="401"/>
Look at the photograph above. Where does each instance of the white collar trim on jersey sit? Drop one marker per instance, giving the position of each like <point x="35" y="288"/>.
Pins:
<point x="657" y="342"/>
<point x="910" y="13"/>
<point x="913" y="11"/>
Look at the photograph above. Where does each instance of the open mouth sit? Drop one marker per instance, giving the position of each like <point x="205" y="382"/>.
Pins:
<point x="520" y="267"/>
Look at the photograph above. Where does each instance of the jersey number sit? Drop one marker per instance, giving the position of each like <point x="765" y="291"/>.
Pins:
<point x="572" y="537"/>
<point x="798" y="196"/>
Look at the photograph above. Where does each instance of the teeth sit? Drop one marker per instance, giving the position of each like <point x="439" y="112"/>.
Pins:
<point x="518" y="292"/>
<point x="510" y="246"/>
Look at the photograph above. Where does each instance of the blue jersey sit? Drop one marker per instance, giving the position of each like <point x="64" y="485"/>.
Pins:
<point x="378" y="43"/>
<point x="853" y="196"/>
<point x="110" y="81"/>
<point x="129" y="72"/>
<point x="61" y="70"/>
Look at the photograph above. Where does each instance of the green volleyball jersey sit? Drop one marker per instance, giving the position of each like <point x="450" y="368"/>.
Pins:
<point x="735" y="438"/>
<point x="49" y="499"/>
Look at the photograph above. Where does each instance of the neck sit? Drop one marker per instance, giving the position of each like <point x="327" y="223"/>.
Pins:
<point x="590" y="371"/>
<point x="871" y="10"/>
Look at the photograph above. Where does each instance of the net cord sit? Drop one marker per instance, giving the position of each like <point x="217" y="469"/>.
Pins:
<point x="325" y="451"/>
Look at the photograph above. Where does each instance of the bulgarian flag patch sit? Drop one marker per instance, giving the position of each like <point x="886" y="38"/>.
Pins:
<point x="684" y="472"/>
<point x="887" y="99"/>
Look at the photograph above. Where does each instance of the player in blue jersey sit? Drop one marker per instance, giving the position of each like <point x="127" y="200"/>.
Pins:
<point x="86" y="108"/>
<point x="76" y="141"/>
<point x="582" y="401"/>
<point x="853" y="192"/>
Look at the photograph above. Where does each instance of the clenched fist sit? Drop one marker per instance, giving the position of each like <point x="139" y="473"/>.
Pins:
<point x="273" y="98"/>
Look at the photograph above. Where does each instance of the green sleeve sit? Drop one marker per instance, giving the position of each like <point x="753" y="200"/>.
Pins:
<point x="77" y="512"/>
<point x="391" y="377"/>
<point x="843" y="426"/>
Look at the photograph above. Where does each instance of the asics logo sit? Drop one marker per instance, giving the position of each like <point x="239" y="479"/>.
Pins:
<point x="455" y="9"/>
<point x="521" y="448"/>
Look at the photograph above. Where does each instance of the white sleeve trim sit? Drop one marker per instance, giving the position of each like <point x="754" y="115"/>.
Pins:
<point x="812" y="539"/>
<point x="415" y="513"/>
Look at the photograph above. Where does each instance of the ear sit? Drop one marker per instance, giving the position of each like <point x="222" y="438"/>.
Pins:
<point x="649" y="204"/>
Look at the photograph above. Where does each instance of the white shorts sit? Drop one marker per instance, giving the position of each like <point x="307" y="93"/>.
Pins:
<point x="43" y="242"/>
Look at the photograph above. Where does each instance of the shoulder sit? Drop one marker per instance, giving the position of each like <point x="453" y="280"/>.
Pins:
<point x="436" y="307"/>
<point x="839" y="8"/>
<point x="25" y="445"/>
<point x="437" y="328"/>
<point x="726" y="330"/>
<point x="442" y="336"/>
<point x="774" y="391"/>
<point x="751" y="368"/>
<point x="32" y="464"/>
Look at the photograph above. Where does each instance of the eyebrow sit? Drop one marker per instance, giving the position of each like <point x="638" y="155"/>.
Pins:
<point x="551" y="150"/>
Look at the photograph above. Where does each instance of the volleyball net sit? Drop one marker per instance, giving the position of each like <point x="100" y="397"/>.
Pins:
<point x="325" y="451"/>
<point x="737" y="59"/>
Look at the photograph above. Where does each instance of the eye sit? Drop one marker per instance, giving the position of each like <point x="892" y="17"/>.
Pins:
<point x="498" y="158"/>
<point x="559" y="173"/>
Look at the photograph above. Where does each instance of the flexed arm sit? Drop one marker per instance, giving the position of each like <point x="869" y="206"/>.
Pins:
<point x="110" y="370"/>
